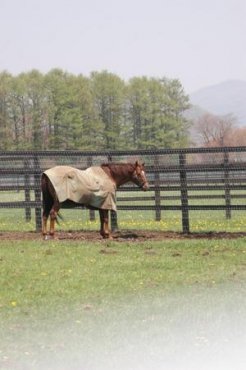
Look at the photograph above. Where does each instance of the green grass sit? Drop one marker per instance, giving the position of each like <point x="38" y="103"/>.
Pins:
<point x="74" y="219"/>
<point x="61" y="301"/>
<point x="45" y="275"/>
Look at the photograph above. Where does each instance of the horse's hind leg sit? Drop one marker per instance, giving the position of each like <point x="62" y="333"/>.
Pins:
<point x="50" y="206"/>
<point x="47" y="203"/>
<point x="53" y="218"/>
<point x="44" y="225"/>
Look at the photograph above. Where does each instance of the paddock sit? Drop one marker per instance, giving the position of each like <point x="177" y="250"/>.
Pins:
<point x="132" y="236"/>
<point x="195" y="190"/>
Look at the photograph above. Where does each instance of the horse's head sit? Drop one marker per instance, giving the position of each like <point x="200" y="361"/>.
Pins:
<point x="139" y="176"/>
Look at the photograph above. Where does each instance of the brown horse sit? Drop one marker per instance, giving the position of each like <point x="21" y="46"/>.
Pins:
<point x="63" y="185"/>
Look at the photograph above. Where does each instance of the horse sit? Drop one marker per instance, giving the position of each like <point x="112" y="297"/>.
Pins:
<point x="94" y="188"/>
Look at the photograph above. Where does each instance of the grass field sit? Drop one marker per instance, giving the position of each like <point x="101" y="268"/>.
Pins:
<point x="50" y="274"/>
<point x="123" y="305"/>
<point x="215" y="221"/>
<point x="63" y="301"/>
<point x="75" y="219"/>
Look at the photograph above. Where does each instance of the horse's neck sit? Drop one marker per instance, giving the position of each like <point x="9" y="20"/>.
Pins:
<point x="120" y="174"/>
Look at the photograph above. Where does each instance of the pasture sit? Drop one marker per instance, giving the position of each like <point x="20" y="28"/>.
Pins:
<point x="13" y="219"/>
<point x="41" y="275"/>
<point x="64" y="301"/>
<point x="133" y="302"/>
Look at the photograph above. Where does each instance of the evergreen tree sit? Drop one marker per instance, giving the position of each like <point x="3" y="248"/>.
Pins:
<point x="108" y="94"/>
<point x="155" y="109"/>
<point x="89" y="128"/>
<point x="63" y="111"/>
<point x="5" y="124"/>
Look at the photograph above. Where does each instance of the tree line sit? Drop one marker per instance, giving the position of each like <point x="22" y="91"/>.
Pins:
<point x="218" y="131"/>
<point x="62" y="111"/>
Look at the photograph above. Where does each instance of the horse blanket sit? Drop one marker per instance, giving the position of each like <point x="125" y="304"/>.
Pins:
<point x="90" y="187"/>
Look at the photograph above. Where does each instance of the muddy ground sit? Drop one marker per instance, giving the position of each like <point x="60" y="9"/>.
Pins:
<point x="121" y="236"/>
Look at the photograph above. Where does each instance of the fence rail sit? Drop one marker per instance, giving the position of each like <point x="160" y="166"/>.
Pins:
<point x="182" y="176"/>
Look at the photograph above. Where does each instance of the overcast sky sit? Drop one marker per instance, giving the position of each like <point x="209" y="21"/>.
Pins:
<point x="200" y="42"/>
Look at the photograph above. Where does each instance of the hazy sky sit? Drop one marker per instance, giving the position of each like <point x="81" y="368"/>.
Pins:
<point x="200" y="42"/>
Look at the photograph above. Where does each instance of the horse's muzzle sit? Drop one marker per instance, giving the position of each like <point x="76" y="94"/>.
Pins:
<point x="145" y="186"/>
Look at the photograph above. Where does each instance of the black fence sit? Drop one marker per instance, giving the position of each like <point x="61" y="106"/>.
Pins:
<point x="184" y="180"/>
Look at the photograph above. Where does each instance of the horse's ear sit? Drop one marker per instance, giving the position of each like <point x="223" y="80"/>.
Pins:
<point x="137" y="163"/>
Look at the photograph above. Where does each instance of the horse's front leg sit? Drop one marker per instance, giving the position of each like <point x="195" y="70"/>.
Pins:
<point x="44" y="225"/>
<point x="104" y="220"/>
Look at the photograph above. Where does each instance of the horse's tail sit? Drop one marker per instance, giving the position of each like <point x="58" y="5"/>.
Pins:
<point x="47" y="194"/>
<point x="59" y="217"/>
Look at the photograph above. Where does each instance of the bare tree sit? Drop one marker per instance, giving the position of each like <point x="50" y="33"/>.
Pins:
<point x="238" y="137"/>
<point x="215" y="130"/>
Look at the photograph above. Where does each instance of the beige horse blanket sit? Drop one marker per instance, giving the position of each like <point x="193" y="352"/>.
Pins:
<point x="91" y="187"/>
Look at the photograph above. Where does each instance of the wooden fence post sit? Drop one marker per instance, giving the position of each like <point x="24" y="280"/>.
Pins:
<point x="37" y="193"/>
<point x="184" y="193"/>
<point x="113" y="214"/>
<point x="227" y="185"/>
<point x="91" y="211"/>
<point x="157" y="189"/>
<point x="27" y="189"/>
<point x="114" y="221"/>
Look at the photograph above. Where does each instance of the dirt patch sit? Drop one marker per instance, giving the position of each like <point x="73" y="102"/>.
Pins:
<point x="124" y="235"/>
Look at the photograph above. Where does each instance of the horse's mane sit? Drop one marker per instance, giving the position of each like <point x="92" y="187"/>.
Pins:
<point x="117" y="164"/>
<point x="117" y="167"/>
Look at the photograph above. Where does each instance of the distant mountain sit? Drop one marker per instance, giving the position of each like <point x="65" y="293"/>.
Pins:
<point x="221" y="99"/>
<point x="194" y="112"/>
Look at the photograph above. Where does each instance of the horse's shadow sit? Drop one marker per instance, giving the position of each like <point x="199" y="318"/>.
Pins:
<point x="126" y="235"/>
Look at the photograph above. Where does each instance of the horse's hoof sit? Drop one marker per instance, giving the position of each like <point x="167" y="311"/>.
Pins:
<point x="107" y="236"/>
<point x="48" y="237"/>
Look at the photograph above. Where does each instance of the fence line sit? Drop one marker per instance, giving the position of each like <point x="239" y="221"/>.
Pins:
<point x="176" y="175"/>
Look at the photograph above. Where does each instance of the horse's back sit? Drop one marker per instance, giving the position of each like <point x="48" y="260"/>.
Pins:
<point x="90" y="187"/>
